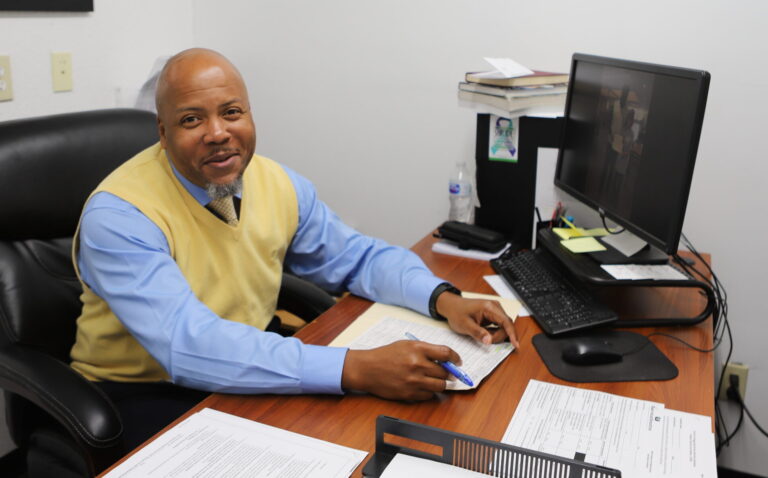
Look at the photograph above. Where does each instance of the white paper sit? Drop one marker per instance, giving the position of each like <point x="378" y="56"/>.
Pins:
<point x="478" y="360"/>
<point x="499" y="286"/>
<point x="213" y="444"/>
<point x="450" y="248"/>
<point x="643" y="271"/>
<point x="407" y="465"/>
<point x="379" y="311"/>
<point x="508" y="67"/>
<point x="639" y="438"/>
<point x="626" y="243"/>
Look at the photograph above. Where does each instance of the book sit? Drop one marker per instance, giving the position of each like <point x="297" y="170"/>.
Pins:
<point x="551" y="102"/>
<point x="513" y="91"/>
<point x="496" y="78"/>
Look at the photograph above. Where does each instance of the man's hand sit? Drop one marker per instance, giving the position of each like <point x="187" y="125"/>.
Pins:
<point x="403" y="370"/>
<point x="470" y="316"/>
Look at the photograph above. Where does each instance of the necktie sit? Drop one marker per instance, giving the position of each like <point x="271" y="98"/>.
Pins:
<point x="225" y="207"/>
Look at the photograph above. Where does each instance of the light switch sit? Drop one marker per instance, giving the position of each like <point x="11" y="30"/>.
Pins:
<point x="61" y="71"/>
<point x="6" y="85"/>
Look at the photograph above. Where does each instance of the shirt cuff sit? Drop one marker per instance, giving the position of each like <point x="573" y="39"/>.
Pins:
<point x="418" y="293"/>
<point x="321" y="369"/>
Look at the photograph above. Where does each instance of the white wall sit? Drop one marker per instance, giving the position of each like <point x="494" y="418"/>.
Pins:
<point x="112" y="48"/>
<point x="360" y="96"/>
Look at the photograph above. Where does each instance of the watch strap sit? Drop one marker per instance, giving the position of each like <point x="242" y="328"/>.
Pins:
<point x="444" y="287"/>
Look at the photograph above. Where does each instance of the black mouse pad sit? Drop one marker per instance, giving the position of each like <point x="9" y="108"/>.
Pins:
<point x="643" y="361"/>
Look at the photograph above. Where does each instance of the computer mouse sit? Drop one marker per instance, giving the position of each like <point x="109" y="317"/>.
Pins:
<point x="590" y="351"/>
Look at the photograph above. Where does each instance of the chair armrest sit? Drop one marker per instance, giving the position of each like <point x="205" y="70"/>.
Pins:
<point x="77" y="404"/>
<point x="303" y="298"/>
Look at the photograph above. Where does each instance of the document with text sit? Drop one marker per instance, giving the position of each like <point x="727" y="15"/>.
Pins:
<point x="213" y="444"/>
<point x="478" y="360"/>
<point x="383" y="324"/>
<point x="638" y="437"/>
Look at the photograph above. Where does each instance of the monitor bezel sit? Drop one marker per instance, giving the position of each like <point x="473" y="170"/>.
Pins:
<point x="669" y="244"/>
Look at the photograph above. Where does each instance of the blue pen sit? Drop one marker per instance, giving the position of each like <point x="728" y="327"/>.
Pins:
<point x="450" y="367"/>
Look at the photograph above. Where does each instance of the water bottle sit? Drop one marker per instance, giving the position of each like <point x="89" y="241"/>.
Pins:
<point x="460" y="194"/>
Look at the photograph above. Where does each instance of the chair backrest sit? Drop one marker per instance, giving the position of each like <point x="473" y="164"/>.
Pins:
<point x="48" y="167"/>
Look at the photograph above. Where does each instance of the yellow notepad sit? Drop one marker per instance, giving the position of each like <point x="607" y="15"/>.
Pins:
<point x="583" y="244"/>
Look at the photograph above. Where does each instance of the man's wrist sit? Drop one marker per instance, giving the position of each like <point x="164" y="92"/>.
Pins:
<point x="444" y="287"/>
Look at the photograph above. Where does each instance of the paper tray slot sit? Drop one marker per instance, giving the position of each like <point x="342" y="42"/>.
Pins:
<point x="473" y="453"/>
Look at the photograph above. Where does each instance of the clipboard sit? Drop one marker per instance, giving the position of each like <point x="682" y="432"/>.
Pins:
<point x="475" y="454"/>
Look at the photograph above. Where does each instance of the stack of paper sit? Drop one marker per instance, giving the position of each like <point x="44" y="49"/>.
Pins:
<point x="638" y="437"/>
<point x="214" y="444"/>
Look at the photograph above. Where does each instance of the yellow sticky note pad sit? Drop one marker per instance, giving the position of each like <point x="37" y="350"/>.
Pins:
<point x="566" y="233"/>
<point x="583" y="244"/>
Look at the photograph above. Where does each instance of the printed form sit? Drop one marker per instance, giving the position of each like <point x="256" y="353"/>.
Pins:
<point x="478" y="360"/>
<point x="213" y="444"/>
<point x="637" y="437"/>
<point x="383" y="324"/>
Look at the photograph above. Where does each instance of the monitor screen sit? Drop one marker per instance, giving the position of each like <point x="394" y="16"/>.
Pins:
<point x="629" y="144"/>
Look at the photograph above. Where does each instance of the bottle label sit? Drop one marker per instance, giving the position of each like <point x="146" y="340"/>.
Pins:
<point x="459" y="188"/>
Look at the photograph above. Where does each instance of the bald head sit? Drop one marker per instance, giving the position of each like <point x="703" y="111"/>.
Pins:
<point x="192" y="62"/>
<point x="204" y="118"/>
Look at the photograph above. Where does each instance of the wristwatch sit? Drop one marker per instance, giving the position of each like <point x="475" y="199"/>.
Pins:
<point x="444" y="287"/>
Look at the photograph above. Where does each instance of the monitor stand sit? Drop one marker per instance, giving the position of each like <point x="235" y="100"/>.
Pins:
<point x="646" y="255"/>
<point x="584" y="269"/>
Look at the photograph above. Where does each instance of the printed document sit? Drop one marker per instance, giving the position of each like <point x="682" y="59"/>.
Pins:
<point x="643" y="271"/>
<point x="383" y="324"/>
<point x="213" y="444"/>
<point x="639" y="438"/>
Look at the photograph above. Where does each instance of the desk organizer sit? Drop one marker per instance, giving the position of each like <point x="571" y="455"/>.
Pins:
<point x="475" y="454"/>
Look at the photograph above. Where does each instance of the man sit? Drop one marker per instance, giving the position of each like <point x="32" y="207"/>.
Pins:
<point x="180" y="252"/>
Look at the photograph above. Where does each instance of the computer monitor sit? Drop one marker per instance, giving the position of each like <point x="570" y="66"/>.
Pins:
<point x="630" y="137"/>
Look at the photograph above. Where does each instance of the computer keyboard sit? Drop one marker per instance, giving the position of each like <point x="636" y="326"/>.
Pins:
<point x="558" y="303"/>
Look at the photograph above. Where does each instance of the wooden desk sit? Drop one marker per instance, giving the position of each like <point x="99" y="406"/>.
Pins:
<point x="485" y="412"/>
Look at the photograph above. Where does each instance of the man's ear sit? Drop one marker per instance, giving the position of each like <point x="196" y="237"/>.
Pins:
<point x="161" y="132"/>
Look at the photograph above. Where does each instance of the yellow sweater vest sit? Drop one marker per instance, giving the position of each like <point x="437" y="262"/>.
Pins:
<point x="234" y="270"/>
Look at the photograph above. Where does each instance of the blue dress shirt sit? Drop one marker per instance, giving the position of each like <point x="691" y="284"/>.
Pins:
<point x="125" y="259"/>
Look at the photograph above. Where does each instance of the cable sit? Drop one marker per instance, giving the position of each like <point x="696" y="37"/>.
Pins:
<point x="669" y="336"/>
<point x="722" y="328"/>
<point x="602" y="218"/>
<point x="727" y="440"/>
<point x="733" y="392"/>
<point x="754" y="422"/>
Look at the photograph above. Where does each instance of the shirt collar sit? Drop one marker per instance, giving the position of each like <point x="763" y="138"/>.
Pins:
<point x="200" y="194"/>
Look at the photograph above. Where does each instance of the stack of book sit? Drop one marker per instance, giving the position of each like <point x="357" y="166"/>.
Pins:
<point x="541" y="90"/>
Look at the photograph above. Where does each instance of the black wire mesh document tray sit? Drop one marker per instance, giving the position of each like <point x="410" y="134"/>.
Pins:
<point x="485" y="457"/>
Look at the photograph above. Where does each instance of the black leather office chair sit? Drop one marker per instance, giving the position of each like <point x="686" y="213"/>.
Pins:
<point x="64" y="424"/>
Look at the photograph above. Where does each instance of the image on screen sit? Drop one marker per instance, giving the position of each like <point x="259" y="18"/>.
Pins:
<point x="630" y="143"/>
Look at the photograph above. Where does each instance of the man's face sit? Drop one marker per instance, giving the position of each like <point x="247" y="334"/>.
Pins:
<point x="205" y="121"/>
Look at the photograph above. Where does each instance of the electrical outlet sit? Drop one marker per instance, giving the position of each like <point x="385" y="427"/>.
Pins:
<point x="6" y="85"/>
<point x="741" y="371"/>
<point x="61" y="71"/>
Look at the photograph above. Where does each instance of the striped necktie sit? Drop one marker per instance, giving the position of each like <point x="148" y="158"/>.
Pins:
<point x="225" y="207"/>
